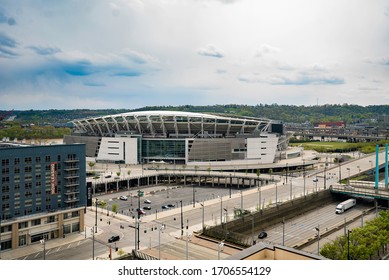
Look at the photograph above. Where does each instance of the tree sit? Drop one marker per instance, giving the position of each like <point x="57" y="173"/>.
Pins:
<point x="114" y="208"/>
<point x="129" y="172"/>
<point x="91" y="164"/>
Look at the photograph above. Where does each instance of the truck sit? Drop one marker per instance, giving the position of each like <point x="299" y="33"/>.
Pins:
<point x="343" y="206"/>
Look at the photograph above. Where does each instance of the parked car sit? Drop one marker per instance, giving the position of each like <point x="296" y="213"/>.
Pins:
<point x="140" y="211"/>
<point x="114" y="238"/>
<point x="262" y="235"/>
<point x="147" y="201"/>
<point x="171" y="205"/>
<point x="165" y="207"/>
<point x="146" y="208"/>
<point x="123" y="197"/>
<point x="315" y="180"/>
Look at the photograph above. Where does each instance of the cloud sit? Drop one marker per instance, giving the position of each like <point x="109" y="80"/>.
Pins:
<point x="7" y="46"/>
<point x="377" y="60"/>
<point x="4" y="18"/>
<point x="94" y="84"/>
<point x="301" y="80"/>
<point x="44" y="50"/>
<point x="265" y="49"/>
<point x="139" y="58"/>
<point x="210" y="50"/>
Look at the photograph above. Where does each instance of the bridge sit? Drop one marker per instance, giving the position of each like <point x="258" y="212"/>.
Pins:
<point x="362" y="189"/>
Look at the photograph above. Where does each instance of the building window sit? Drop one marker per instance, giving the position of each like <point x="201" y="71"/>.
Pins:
<point x="37" y="159"/>
<point x="17" y="161"/>
<point x="47" y="158"/>
<point x="36" y="222"/>
<point x="23" y="225"/>
<point x="28" y="160"/>
<point x="5" y="162"/>
<point x="51" y="219"/>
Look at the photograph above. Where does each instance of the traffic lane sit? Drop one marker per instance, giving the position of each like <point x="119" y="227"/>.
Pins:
<point x="303" y="227"/>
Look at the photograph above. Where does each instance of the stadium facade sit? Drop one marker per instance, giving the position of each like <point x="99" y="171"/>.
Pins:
<point x="179" y="137"/>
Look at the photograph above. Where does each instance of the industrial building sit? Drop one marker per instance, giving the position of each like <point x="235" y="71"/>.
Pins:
<point x="180" y="137"/>
<point x="43" y="192"/>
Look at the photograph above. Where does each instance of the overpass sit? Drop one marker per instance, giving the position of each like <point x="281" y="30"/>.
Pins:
<point x="362" y="189"/>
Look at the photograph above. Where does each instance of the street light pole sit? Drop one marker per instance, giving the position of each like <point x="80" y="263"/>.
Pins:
<point x="318" y="239"/>
<point x="348" y="244"/>
<point x="182" y="220"/>
<point x="202" y="207"/>
<point x="96" y="216"/>
<point x="230" y="184"/>
<point x="43" y="241"/>
<point x="194" y="199"/>
<point x="304" y="174"/>
<point x="161" y="228"/>
<point x="93" y="244"/>
<point x="283" y="231"/>
<point x="241" y="200"/>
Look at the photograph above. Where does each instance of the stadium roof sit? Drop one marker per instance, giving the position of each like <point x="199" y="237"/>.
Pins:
<point x="170" y="124"/>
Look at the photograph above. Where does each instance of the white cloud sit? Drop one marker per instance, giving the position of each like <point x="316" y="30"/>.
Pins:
<point x="265" y="49"/>
<point x="211" y="50"/>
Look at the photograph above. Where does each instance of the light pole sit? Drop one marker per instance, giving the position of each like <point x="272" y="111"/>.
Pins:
<point x="202" y="208"/>
<point x="219" y="249"/>
<point x="259" y="199"/>
<point x="287" y="168"/>
<point x="304" y="174"/>
<point x="318" y="239"/>
<point x="221" y="210"/>
<point x="140" y="193"/>
<point x="93" y="243"/>
<point x="241" y="200"/>
<point x="161" y="228"/>
<point x="182" y="220"/>
<point x="276" y="195"/>
<point x="340" y="172"/>
<point x="290" y="196"/>
<point x="230" y="185"/>
<point x="43" y="242"/>
<point x="348" y="244"/>
<point x="283" y="231"/>
<point x="96" y="215"/>
<point x="194" y="199"/>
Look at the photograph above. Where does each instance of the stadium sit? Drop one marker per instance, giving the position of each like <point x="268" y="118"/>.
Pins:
<point x="179" y="137"/>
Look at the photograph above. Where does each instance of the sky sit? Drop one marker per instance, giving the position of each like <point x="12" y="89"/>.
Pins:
<point x="126" y="54"/>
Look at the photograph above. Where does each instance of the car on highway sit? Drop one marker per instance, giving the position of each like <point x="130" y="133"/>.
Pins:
<point x="147" y="201"/>
<point x="123" y="197"/>
<point x="165" y="207"/>
<point x="315" y="180"/>
<point x="114" y="238"/>
<point x="146" y="208"/>
<point x="171" y="205"/>
<point x="141" y="211"/>
<point x="262" y="235"/>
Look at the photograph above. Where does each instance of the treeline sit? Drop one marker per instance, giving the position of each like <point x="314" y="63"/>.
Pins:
<point x="13" y="131"/>
<point x="287" y="113"/>
<point x="361" y="243"/>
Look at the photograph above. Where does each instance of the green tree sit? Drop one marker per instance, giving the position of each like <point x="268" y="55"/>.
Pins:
<point x="114" y="208"/>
